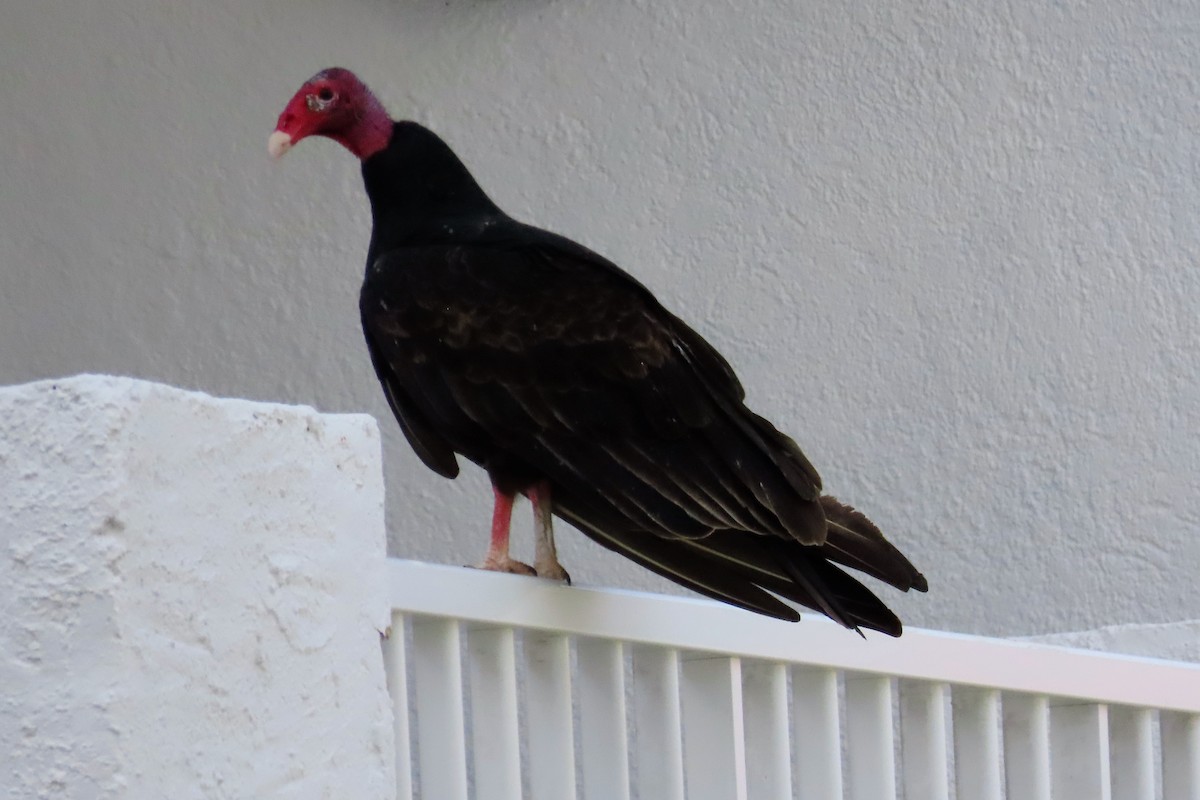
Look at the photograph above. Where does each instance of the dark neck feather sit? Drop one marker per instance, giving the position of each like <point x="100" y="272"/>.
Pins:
<point x="421" y="193"/>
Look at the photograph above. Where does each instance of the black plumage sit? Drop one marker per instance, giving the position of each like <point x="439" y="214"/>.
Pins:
<point x="541" y="361"/>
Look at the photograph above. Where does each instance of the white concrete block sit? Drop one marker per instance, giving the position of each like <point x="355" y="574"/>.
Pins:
<point x="1175" y="641"/>
<point x="192" y="590"/>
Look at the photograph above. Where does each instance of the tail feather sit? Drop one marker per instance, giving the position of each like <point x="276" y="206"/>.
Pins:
<point x="854" y="541"/>
<point x="689" y="568"/>
<point x="752" y="571"/>
<point x="857" y="606"/>
<point x="802" y="574"/>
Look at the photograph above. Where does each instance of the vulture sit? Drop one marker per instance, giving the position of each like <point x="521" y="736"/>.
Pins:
<point x="568" y="382"/>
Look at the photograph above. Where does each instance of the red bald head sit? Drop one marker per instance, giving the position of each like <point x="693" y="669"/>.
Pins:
<point x="336" y="104"/>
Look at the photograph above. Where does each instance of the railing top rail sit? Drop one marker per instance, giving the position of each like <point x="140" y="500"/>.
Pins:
<point x="487" y="598"/>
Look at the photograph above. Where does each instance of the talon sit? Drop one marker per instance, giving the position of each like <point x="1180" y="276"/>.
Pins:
<point x="554" y="572"/>
<point x="509" y="565"/>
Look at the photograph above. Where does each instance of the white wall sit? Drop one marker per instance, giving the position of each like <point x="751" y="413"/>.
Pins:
<point x="951" y="246"/>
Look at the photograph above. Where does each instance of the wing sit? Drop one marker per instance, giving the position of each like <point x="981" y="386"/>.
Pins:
<point x="431" y="448"/>
<point x="530" y="353"/>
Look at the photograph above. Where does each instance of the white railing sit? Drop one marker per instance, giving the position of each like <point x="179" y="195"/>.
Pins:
<point x="606" y="695"/>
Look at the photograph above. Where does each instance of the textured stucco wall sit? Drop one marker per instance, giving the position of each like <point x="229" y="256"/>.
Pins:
<point x="192" y="592"/>
<point x="951" y="246"/>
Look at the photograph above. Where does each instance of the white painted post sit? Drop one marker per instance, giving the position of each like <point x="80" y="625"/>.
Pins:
<point x="396" y="667"/>
<point x="923" y="740"/>
<point x="437" y="669"/>
<point x="1131" y="736"/>
<point x="818" y="737"/>
<point x="1027" y="746"/>
<point x="1079" y="765"/>
<point x="1180" y="755"/>
<point x="870" y="749"/>
<point x="603" y="730"/>
<point x="658" y="723"/>
<point x="976" y="714"/>
<point x="494" y="735"/>
<point x="765" y="715"/>
<point x="549" y="716"/>
<point x="713" y="736"/>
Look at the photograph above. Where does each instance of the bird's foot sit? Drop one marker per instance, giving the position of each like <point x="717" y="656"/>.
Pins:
<point x="553" y="571"/>
<point x="506" y="564"/>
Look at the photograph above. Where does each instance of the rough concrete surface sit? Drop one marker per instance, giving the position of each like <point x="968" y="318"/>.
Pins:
<point x="949" y="245"/>
<point x="1175" y="641"/>
<point x="192" y="593"/>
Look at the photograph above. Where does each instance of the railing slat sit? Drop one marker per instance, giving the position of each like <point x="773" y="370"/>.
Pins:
<point x="657" y="721"/>
<point x="1079" y="765"/>
<point x="976" y="714"/>
<point x="549" y="717"/>
<point x="1132" y="748"/>
<point x="818" y="738"/>
<point x="605" y="745"/>
<point x="1180" y="755"/>
<point x="765" y="721"/>
<point x="870" y="750"/>
<point x="492" y="674"/>
<point x="396" y="666"/>
<point x="437" y="669"/>
<point x="713" y="736"/>
<point x="1027" y="746"/>
<point x="923" y="740"/>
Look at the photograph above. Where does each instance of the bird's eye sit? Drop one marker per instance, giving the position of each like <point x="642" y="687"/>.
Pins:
<point x="322" y="100"/>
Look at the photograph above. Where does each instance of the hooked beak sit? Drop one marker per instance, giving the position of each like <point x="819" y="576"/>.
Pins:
<point x="279" y="143"/>
<point x="295" y="123"/>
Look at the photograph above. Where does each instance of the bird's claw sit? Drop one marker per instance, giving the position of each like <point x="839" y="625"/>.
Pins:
<point x="509" y="565"/>
<point x="554" y="572"/>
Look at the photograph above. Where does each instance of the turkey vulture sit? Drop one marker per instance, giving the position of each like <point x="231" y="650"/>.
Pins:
<point x="568" y="382"/>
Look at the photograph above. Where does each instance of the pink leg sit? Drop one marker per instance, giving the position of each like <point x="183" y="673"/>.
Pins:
<point x="497" y="555"/>
<point x="545" y="560"/>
